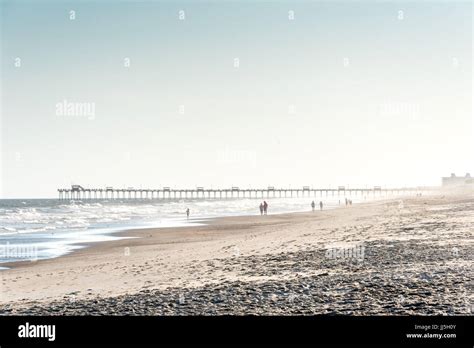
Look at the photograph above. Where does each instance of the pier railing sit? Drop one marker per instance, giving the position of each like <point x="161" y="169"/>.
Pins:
<point x="77" y="192"/>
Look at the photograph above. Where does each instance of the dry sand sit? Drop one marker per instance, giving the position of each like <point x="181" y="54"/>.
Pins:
<point x="405" y="256"/>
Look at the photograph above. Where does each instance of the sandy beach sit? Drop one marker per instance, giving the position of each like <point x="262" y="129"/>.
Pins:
<point x="401" y="256"/>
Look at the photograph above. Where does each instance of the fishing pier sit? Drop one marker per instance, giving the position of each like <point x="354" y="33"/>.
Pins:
<point x="77" y="192"/>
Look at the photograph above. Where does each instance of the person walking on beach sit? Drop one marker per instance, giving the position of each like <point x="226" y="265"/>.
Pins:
<point x="187" y="213"/>
<point x="265" y="207"/>
<point x="313" y="205"/>
<point x="321" y="205"/>
<point x="261" y="208"/>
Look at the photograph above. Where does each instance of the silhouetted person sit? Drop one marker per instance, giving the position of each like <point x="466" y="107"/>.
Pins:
<point x="187" y="213"/>
<point x="265" y="207"/>
<point x="261" y="208"/>
<point x="313" y="205"/>
<point x="321" y="205"/>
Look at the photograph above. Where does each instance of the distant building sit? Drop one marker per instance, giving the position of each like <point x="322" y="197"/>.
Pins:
<point x="454" y="180"/>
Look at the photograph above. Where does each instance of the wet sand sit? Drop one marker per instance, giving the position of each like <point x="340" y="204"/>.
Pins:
<point x="403" y="256"/>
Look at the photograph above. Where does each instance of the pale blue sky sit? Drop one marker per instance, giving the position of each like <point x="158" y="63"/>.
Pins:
<point x="345" y="94"/>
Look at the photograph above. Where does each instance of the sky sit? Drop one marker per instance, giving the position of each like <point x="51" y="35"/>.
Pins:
<point x="233" y="93"/>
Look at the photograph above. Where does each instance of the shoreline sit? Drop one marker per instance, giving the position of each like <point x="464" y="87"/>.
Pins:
<point x="138" y="233"/>
<point x="255" y="252"/>
<point x="126" y="232"/>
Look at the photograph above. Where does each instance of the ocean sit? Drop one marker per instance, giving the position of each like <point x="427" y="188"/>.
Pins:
<point x="33" y="229"/>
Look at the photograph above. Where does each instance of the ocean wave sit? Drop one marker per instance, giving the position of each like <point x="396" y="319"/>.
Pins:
<point x="11" y="229"/>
